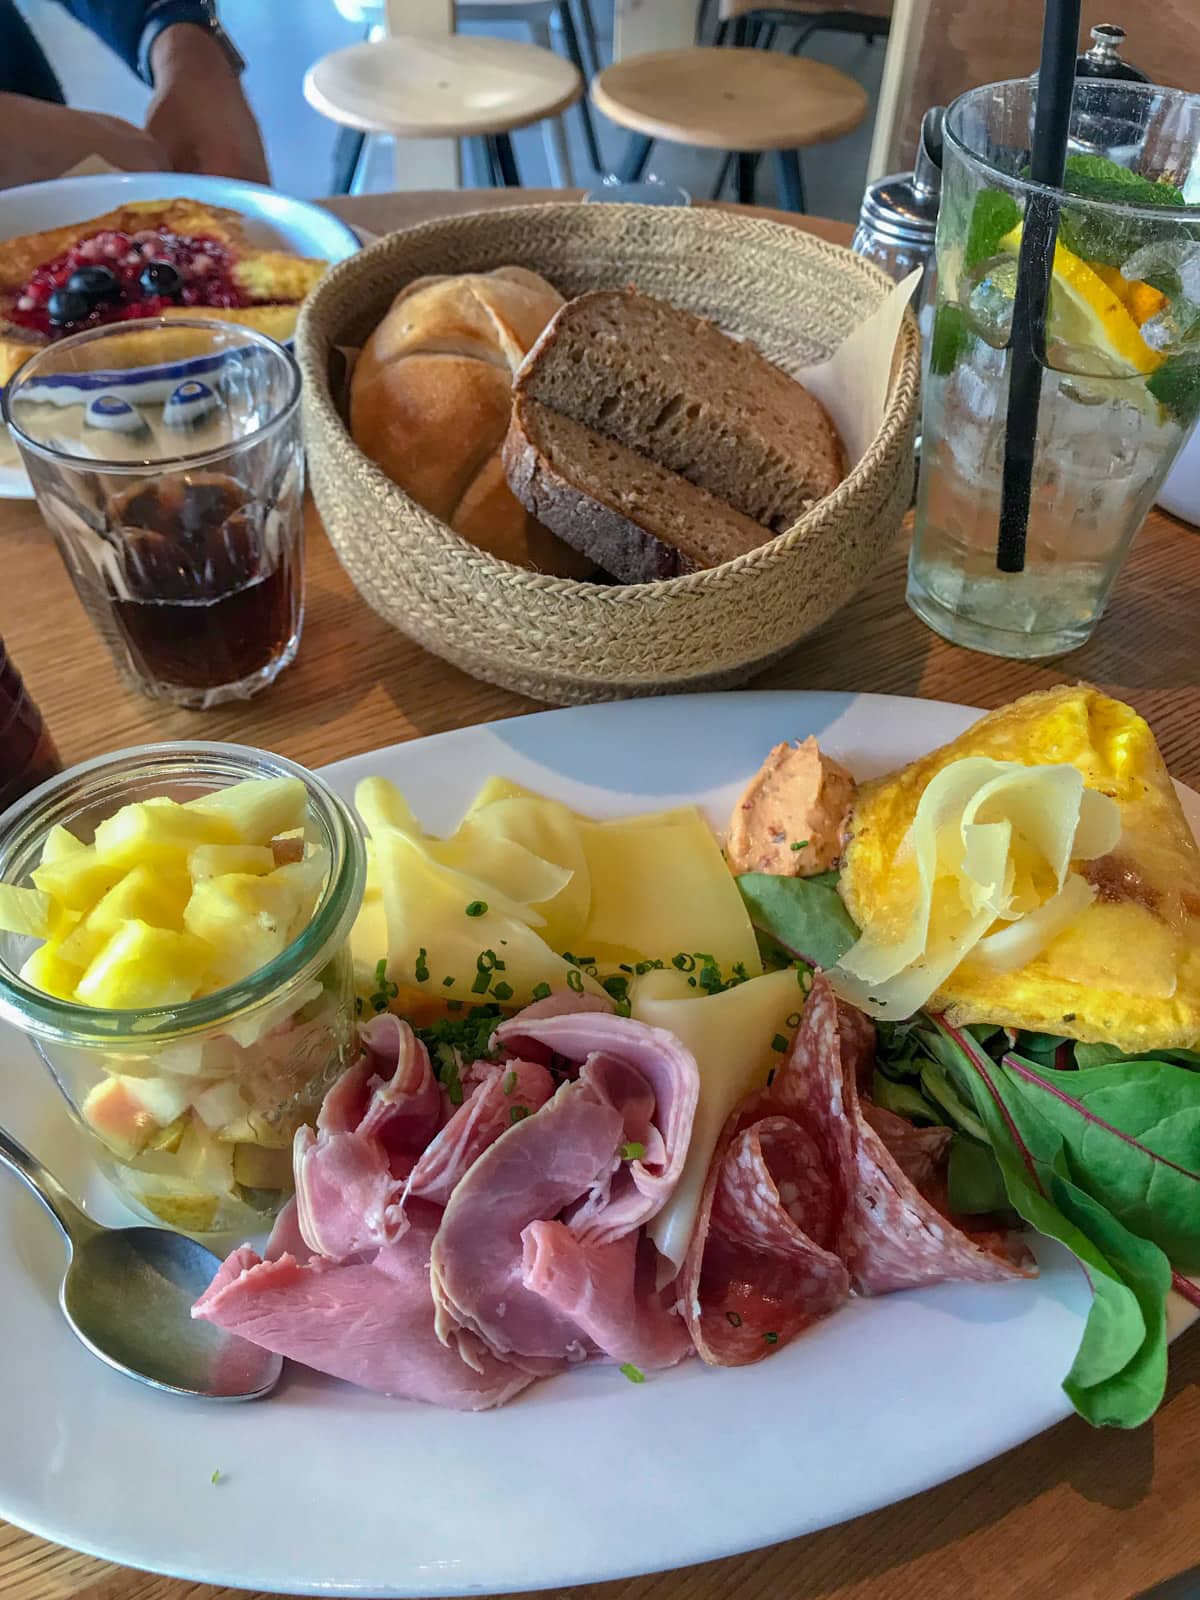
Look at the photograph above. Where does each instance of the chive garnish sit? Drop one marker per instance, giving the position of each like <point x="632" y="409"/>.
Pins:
<point x="632" y="1151"/>
<point x="421" y="968"/>
<point x="502" y="991"/>
<point x="477" y="908"/>
<point x="779" y="1043"/>
<point x="540" y="991"/>
<point x="770" y="1338"/>
<point x="634" y="1374"/>
<point x="517" y="1114"/>
<point x="800" y="844"/>
<point x="447" y="983"/>
<point x="510" y="1082"/>
<point x="575" y="980"/>
<point x="732" y="1318"/>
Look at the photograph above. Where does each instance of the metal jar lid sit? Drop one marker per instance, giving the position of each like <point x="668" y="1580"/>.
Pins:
<point x="903" y="207"/>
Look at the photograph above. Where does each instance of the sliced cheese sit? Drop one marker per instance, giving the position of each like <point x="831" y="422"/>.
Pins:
<point x="733" y="1036"/>
<point x="660" y="887"/>
<point x="991" y="841"/>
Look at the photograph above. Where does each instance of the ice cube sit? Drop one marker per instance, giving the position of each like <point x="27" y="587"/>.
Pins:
<point x="987" y="299"/>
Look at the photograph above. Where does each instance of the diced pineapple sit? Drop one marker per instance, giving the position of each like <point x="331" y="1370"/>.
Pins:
<point x="145" y="894"/>
<point x="256" y="1168"/>
<point x="141" y="966"/>
<point x="29" y="911"/>
<point x="188" y="1212"/>
<point x="82" y="945"/>
<point x="128" y="1113"/>
<point x="258" y="808"/>
<point x="255" y="1129"/>
<point x="215" y="860"/>
<point x="47" y="970"/>
<point x="159" y="835"/>
<point x="77" y="879"/>
<point x="59" y="843"/>
<point x="219" y="1104"/>
<point x="250" y="920"/>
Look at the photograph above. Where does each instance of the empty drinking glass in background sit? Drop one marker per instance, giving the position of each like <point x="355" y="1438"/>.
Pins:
<point x="166" y="459"/>
<point x="1121" y="366"/>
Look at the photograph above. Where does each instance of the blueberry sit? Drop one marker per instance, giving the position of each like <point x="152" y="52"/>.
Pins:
<point x="160" y="277"/>
<point x="67" y="305"/>
<point x="96" y="284"/>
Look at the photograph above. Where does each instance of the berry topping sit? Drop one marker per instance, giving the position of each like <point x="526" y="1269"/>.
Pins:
<point x="96" y="283"/>
<point x="160" y="277"/>
<point x="65" y="306"/>
<point x="140" y="275"/>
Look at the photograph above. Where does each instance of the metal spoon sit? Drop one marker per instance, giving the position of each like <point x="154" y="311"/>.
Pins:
<point x="128" y="1292"/>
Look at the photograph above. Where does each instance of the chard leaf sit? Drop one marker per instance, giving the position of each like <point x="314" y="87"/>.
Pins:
<point x="905" y="1099"/>
<point x="805" y="917"/>
<point x="974" y="1182"/>
<point x="1132" y="1133"/>
<point x="1119" y="1371"/>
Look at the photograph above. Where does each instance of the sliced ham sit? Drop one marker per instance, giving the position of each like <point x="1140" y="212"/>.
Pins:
<point x="375" y="1122"/>
<point x="532" y="1173"/>
<point x="596" y="1162"/>
<point x="669" y="1069"/>
<point x="499" y="1096"/>
<point x="369" y="1321"/>
<point x="608" y="1292"/>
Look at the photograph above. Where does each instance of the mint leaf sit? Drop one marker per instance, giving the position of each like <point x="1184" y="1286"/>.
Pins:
<point x="1094" y="177"/>
<point x="1106" y="237"/>
<point x="805" y="917"/>
<point x="994" y="214"/>
<point x="950" y="334"/>
<point x="1176" y="387"/>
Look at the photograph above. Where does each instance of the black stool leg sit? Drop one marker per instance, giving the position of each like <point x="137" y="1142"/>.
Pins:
<point x="347" y="153"/>
<point x="504" y="163"/>
<point x="637" y="158"/>
<point x="743" y="177"/>
<point x="790" y="179"/>
<point x="722" y="176"/>
<point x="591" y="42"/>
<point x="571" y="40"/>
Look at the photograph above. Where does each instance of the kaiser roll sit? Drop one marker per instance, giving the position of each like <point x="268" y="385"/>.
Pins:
<point x="431" y="398"/>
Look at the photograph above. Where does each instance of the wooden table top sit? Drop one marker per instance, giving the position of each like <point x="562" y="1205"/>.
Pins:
<point x="1075" y="1514"/>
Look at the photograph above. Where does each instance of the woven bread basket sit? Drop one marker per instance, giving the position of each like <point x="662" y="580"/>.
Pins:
<point x="558" y="639"/>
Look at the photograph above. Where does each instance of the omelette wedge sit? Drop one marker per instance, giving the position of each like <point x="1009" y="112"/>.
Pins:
<point x="1126" y="971"/>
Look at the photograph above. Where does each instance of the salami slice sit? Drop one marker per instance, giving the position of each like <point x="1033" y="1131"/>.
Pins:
<point x="895" y="1233"/>
<point x="758" y="1272"/>
<point x="814" y="1190"/>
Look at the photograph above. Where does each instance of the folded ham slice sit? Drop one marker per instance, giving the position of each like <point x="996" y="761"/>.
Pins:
<point x="813" y="1190"/>
<point x="368" y="1320"/>
<point x="658" y="1118"/>
<point x="375" y="1122"/>
<point x="499" y="1096"/>
<point x="536" y="1252"/>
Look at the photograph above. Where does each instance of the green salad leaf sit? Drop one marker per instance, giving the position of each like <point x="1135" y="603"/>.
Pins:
<point x="974" y="1182"/>
<point x="802" y="917"/>
<point x="1119" y="1372"/>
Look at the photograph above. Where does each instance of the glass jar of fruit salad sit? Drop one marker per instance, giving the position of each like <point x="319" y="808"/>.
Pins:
<point x="177" y="925"/>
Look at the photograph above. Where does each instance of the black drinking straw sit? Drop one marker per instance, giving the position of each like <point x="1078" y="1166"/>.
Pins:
<point x="1052" y="120"/>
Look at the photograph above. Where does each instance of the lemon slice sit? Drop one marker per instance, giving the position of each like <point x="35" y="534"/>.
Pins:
<point x="1086" y="314"/>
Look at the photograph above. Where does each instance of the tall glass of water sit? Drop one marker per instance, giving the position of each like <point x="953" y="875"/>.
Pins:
<point x="1121" y="363"/>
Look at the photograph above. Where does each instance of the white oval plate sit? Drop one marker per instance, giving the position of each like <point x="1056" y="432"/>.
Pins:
<point x="274" y="222"/>
<point x="327" y="1490"/>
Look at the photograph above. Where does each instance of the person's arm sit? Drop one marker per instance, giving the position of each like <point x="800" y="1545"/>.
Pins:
<point x="199" y="113"/>
<point x="39" y="140"/>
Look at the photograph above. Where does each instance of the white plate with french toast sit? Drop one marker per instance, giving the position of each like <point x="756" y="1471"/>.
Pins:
<point x="83" y="251"/>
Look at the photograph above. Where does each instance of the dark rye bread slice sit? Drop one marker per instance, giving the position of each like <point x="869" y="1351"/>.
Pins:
<point x="632" y="517"/>
<point x="673" y="387"/>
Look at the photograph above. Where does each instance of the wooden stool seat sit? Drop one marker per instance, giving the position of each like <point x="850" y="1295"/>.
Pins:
<point x="730" y="99"/>
<point x="451" y="86"/>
